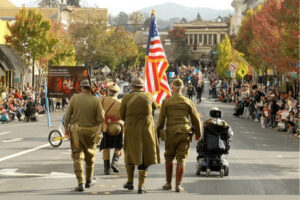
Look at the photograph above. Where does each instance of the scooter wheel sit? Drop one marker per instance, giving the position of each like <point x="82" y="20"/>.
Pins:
<point x="221" y="173"/>
<point x="207" y="172"/>
<point x="226" y="173"/>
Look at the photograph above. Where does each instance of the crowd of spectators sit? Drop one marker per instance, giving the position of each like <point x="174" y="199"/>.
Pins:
<point x="25" y="105"/>
<point x="264" y="104"/>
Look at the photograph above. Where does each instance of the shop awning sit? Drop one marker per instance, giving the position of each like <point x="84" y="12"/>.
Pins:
<point x="10" y="60"/>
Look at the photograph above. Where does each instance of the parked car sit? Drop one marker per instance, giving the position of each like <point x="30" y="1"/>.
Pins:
<point x="125" y="88"/>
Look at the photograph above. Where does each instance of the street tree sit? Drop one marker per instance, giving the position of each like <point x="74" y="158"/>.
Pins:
<point x="97" y="46"/>
<point x="62" y="52"/>
<point x="268" y="48"/>
<point x="242" y="64"/>
<point x="121" y="19"/>
<point x="288" y="19"/>
<point x="87" y="38"/>
<point x="136" y="19"/>
<point x="245" y="34"/>
<point x="224" y="56"/>
<point x="178" y="51"/>
<point x="119" y="48"/>
<point x="29" y="37"/>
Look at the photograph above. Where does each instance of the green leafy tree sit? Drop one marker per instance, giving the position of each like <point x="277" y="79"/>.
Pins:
<point x="97" y="46"/>
<point x="121" y="19"/>
<point x="29" y="36"/>
<point x="136" y="19"/>
<point x="87" y="39"/>
<point x="119" y="48"/>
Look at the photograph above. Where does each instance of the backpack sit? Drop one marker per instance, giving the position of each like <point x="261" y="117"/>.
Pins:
<point x="4" y="118"/>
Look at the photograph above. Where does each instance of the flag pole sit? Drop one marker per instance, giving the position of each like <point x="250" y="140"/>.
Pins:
<point x="148" y="43"/>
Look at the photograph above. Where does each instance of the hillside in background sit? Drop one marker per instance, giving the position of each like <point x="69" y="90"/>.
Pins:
<point x="172" y="10"/>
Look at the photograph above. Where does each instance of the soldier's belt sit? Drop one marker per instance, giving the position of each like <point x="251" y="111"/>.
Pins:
<point x="76" y="128"/>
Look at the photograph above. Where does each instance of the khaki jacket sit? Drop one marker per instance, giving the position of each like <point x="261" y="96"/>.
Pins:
<point x="140" y="139"/>
<point x="114" y="111"/>
<point x="181" y="115"/>
<point x="85" y="110"/>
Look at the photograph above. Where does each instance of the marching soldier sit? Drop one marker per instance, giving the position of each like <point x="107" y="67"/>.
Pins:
<point x="85" y="114"/>
<point x="112" y="129"/>
<point x="182" y="120"/>
<point x="140" y="140"/>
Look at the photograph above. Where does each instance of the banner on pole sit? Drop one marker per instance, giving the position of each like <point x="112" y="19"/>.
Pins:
<point x="63" y="82"/>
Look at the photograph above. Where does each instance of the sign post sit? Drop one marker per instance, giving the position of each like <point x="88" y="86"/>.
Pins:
<point x="232" y="69"/>
<point x="105" y="71"/>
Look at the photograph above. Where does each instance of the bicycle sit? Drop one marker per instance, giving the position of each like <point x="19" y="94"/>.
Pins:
<point x="57" y="136"/>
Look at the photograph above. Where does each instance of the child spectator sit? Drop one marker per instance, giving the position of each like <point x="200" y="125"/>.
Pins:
<point x="265" y="118"/>
<point x="281" y="125"/>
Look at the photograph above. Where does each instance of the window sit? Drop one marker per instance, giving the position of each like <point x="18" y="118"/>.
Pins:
<point x="222" y="36"/>
<point x="209" y="38"/>
<point x="205" y="38"/>
<point x="215" y="38"/>
<point x="195" y="39"/>
<point x="191" y="39"/>
<point x="200" y="39"/>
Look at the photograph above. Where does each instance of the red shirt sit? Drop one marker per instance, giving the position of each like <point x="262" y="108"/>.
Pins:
<point x="17" y="95"/>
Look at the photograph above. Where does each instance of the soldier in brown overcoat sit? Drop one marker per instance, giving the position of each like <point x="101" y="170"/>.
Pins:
<point x="140" y="139"/>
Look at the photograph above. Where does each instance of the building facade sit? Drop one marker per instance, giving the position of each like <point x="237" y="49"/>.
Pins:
<point x="241" y="7"/>
<point x="11" y="67"/>
<point x="203" y="37"/>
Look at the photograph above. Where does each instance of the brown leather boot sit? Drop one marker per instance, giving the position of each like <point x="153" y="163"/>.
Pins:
<point x="179" y="175"/>
<point x="169" y="174"/>
<point x="130" y="173"/>
<point x="142" y="177"/>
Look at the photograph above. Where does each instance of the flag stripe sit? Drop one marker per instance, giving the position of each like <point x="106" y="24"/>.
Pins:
<point x="156" y="66"/>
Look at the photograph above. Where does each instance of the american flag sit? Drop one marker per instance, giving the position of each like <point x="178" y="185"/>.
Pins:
<point x="156" y="65"/>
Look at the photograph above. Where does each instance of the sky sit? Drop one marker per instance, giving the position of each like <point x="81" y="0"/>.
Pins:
<point x="128" y="6"/>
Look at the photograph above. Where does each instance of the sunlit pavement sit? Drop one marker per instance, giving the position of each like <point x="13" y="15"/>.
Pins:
<point x="262" y="162"/>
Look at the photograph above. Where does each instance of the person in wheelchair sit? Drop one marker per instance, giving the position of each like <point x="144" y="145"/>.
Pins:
<point x="214" y="143"/>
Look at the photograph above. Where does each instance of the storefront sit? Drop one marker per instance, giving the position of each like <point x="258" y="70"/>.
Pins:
<point x="11" y="67"/>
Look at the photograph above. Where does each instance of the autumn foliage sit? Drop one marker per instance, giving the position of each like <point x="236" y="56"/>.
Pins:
<point x="269" y="36"/>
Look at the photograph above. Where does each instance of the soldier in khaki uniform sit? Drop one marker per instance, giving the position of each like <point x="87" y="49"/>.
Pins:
<point x="112" y="129"/>
<point x="181" y="116"/>
<point x="140" y="139"/>
<point x="85" y="114"/>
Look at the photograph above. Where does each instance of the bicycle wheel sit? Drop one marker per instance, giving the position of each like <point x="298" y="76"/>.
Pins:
<point x="55" y="138"/>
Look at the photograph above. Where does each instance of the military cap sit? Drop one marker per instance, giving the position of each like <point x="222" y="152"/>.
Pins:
<point x="114" y="88"/>
<point x="177" y="83"/>
<point x="137" y="82"/>
<point x="85" y="83"/>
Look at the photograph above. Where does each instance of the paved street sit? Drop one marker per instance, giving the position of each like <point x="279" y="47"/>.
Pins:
<point x="262" y="162"/>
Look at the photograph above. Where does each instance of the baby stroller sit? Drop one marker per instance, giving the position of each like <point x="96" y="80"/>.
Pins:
<point x="213" y="145"/>
<point x="30" y="112"/>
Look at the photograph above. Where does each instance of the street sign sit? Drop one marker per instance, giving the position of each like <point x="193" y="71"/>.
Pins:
<point x="105" y="70"/>
<point x="233" y="74"/>
<point x="233" y="67"/>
